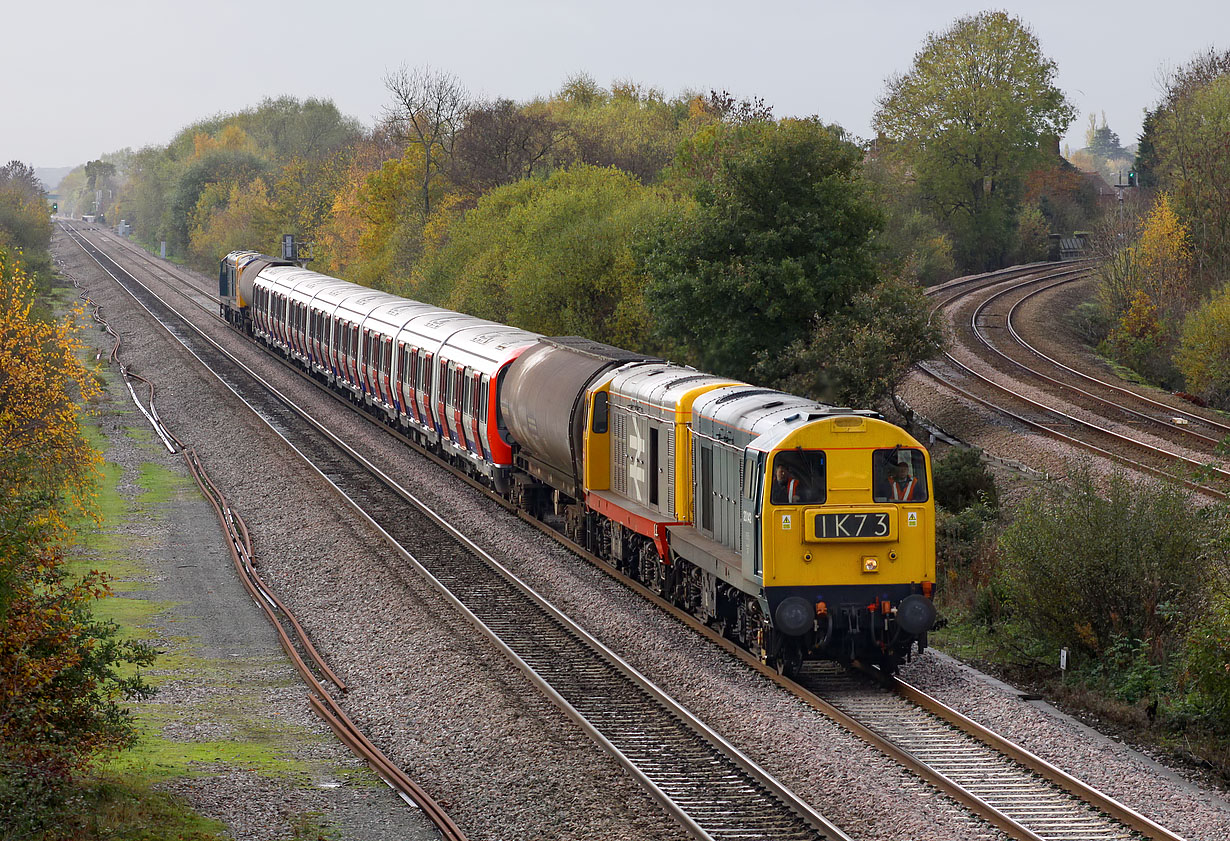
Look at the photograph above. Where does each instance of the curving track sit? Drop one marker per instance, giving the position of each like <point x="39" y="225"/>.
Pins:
<point x="991" y="363"/>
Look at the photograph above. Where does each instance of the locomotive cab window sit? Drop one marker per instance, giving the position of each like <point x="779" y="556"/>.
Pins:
<point x="602" y="413"/>
<point x="798" y="478"/>
<point x="899" y="475"/>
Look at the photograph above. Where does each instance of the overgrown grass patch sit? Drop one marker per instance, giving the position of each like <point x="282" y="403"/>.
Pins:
<point x="120" y="805"/>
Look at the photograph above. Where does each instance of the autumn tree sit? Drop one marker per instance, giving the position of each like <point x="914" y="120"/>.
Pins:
<point x="501" y="143"/>
<point x="428" y="110"/>
<point x="1184" y="151"/>
<point x="20" y="176"/>
<point x="392" y="217"/>
<point x="285" y="128"/>
<point x="229" y="159"/>
<point x="1163" y="258"/>
<point x="229" y="217"/>
<point x="303" y="193"/>
<point x="293" y="146"/>
<point x="25" y="223"/>
<point x="974" y="114"/>
<point x="63" y="673"/>
<point x="1204" y="350"/>
<point x="630" y="127"/>
<point x="1059" y="192"/>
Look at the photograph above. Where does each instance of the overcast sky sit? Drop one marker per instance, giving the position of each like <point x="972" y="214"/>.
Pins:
<point x="83" y="78"/>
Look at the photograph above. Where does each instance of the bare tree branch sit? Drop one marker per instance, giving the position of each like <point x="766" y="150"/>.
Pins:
<point x="428" y="109"/>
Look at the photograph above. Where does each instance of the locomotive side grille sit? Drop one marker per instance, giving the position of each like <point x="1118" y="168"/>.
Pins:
<point x="670" y="469"/>
<point x="619" y="462"/>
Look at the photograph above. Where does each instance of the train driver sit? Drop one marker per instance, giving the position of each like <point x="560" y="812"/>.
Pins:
<point x="902" y="485"/>
<point x="787" y="489"/>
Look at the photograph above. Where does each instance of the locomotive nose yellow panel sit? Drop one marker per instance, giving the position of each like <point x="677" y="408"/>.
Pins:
<point x="855" y="535"/>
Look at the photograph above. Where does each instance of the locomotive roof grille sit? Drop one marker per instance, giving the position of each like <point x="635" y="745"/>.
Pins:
<point x="739" y="395"/>
<point x="690" y="378"/>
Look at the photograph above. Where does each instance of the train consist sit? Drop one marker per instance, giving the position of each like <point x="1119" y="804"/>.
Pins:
<point x="801" y="530"/>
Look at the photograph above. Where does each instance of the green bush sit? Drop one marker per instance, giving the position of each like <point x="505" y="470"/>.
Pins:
<point x="1090" y="321"/>
<point x="1204" y="351"/>
<point x="1208" y="657"/>
<point x="1148" y="357"/>
<point x="966" y="561"/>
<point x="1129" y="671"/>
<point x="962" y="480"/>
<point x="1087" y="565"/>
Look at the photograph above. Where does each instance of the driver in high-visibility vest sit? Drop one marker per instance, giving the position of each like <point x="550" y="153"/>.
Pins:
<point x="786" y="488"/>
<point x="901" y="484"/>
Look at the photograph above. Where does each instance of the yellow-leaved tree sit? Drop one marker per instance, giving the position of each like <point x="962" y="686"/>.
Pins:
<point x="227" y="218"/>
<point x="1204" y="351"/>
<point x="60" y="678"/>
<point x="1163" y="256"/>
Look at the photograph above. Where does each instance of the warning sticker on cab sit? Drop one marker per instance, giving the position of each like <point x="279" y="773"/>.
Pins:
<point x="785" y="522"/>
<point x="911" y="519"/>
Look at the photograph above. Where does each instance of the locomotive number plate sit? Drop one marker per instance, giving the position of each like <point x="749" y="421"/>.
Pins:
<point x="852" y="525"/>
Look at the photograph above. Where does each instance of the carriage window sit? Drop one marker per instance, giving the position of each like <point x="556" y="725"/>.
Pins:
<point x="798" y="478"/>
<point x="602" y="413"/>
<point x="899" y="475"/>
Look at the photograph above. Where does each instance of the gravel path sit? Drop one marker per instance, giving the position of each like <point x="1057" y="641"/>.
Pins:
<point x="512" y="767"/>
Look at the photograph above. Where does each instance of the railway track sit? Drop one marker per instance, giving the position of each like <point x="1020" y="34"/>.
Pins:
<point x="989" y="372"/>
<point x="712" y="789"/>
<point x="1028" y="797"/>
<point x="1050" y="805"/>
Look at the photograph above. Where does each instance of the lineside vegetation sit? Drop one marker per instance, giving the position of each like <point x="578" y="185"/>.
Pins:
<point x="64" y="674"/>
<point x="1126" y="574"/>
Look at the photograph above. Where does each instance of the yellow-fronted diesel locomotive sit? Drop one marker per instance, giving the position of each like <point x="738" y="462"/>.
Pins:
<point x="803" y="531"/>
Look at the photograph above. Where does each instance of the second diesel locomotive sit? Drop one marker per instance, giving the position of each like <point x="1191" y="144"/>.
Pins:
<point x="801" y="530"/>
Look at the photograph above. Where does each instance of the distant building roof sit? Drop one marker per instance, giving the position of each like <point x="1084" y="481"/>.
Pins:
<point x="1095" y="180"/>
